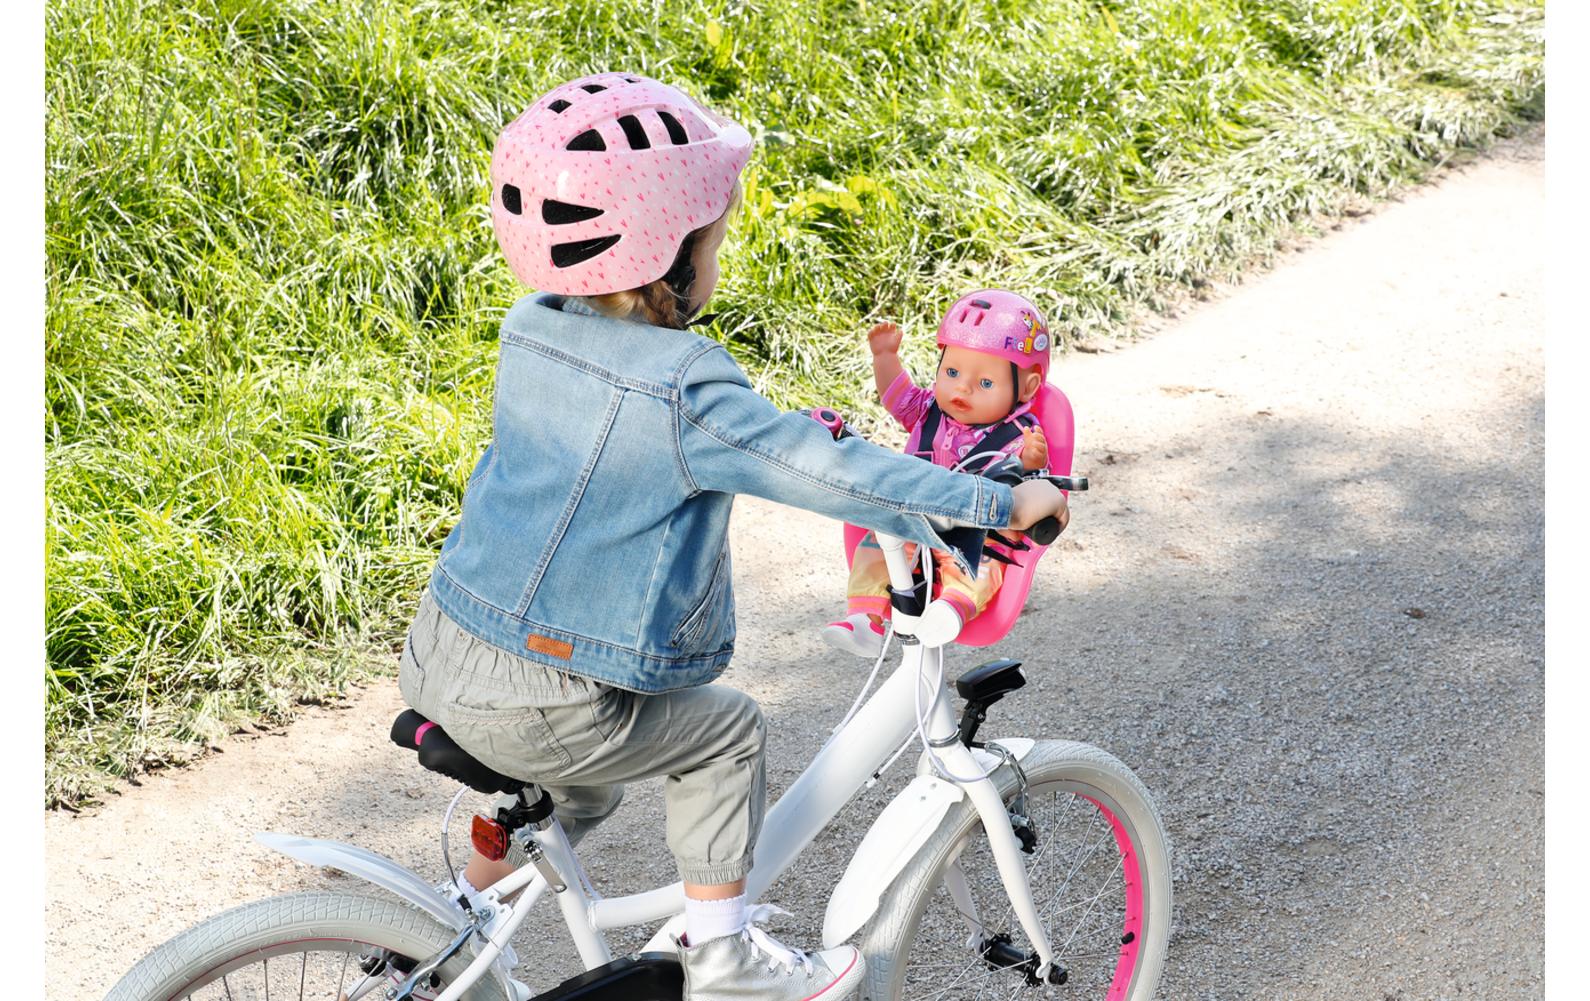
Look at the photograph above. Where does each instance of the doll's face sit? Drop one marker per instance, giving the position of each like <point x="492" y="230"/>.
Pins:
<point x="975" y="388"/>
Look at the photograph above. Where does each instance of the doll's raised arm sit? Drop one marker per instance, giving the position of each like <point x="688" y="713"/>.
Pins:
<point x="884" y="340"/>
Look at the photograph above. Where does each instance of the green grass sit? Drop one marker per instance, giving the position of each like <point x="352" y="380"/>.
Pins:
<point x="273" y="289"/>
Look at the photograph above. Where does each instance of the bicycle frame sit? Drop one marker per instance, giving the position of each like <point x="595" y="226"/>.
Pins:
<point x="859" y="749"/>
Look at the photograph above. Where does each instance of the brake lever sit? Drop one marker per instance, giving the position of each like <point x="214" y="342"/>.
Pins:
<point x="1010" y="472"/>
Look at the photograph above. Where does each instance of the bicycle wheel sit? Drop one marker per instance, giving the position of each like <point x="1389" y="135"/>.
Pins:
<point x="1100" y="879"/>
<point x="321" y="946"/>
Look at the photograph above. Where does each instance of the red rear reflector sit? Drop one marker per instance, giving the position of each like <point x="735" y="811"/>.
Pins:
<point x="490" y="838"/>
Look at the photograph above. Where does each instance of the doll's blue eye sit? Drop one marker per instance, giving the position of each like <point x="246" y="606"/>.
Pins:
<point x="952" y="373"/>
<point x="987" y="383"/>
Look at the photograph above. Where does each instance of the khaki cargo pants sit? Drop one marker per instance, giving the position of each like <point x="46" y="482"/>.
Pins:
<point x="581" y="740"/>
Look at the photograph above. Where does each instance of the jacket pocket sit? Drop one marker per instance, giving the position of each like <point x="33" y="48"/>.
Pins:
<point x="694" y="627"/>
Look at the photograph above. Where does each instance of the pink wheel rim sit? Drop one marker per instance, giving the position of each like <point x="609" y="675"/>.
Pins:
<point x="1132" y="929"/>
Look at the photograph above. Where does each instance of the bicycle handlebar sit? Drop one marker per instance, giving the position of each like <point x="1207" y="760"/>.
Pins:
<point x="1008" y="471"/>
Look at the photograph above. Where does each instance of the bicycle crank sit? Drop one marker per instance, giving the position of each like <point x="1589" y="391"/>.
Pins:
<point x="998" y="952"/>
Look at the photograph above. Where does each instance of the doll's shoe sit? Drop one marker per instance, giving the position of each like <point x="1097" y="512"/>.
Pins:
<point x="856" y="634"/>
<point x="940" y="623"/>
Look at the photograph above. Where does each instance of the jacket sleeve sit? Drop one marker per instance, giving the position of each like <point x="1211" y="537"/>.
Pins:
<point x="731" y="439"/>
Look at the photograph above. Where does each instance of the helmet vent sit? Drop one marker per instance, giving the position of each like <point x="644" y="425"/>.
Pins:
<point x="634" y="132"/>
<point x="982" y="304"/>
<point x="589" y="140"/>
<point x="510" y="199"/>
<point x="676" y="132"/>
<point x="559" y="105"/>
<point x="566" y="255"/>
<point x="592" y="88"/>
<point x="979" y="321"/>
<point x="964" y="314"/>
<point x="556" y="213"/>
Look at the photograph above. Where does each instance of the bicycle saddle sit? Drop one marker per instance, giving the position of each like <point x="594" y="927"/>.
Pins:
<point x="438" y="753"/>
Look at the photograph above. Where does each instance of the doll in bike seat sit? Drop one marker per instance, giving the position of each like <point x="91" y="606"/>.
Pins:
<point x="993" y="361"/>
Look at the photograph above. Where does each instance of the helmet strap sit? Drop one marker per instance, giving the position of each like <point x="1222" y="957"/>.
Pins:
<point x="680" y="277"/>
<point x="1015" y="387"/>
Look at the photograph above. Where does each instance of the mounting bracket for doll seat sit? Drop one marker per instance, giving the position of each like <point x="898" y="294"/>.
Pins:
<point x="1059" y="429"/>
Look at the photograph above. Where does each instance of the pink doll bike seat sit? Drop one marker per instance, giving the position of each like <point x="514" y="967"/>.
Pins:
<point x="989" y="627"/>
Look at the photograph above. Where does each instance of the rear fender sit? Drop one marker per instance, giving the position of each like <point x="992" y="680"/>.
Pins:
<point x="369" y="866"/>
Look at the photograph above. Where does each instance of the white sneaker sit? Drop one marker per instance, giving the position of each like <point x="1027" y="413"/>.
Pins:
<point x="856" y="634"/>
<point x="753" y="966"/>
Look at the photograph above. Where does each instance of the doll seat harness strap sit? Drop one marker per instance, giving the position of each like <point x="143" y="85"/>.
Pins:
<point x="995" y="441"/>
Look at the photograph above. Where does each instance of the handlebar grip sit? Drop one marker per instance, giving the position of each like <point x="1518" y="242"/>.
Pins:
<point x="1045" y="531"/>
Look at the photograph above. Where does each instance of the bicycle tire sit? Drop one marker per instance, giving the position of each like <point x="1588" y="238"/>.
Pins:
<point x="320" y="922"/>
<point x="1086" y="775"/>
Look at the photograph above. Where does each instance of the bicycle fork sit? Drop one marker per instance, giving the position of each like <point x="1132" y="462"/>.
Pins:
<point x="957" y="759"/>
<point x="909" y="596"/>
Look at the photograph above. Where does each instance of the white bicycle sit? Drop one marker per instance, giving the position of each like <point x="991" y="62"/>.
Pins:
<point x="1015" y="867"/>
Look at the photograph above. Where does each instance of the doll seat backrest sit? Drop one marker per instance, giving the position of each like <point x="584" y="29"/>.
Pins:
<point x="1054" y="415"/>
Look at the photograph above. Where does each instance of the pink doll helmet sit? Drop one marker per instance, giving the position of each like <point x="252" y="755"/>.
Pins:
<point x="597" y="184"/>
<point x="993" y="321"/>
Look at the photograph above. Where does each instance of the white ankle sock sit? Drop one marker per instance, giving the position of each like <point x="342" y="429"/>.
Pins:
<point x="463" y="885"/>
<point x="706" y="920"/>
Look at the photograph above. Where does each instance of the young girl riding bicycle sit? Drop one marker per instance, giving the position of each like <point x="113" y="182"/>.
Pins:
<point x="583" y="603"/>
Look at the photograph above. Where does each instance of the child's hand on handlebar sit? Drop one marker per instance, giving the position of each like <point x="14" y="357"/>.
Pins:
<point x="1035" y="500"/>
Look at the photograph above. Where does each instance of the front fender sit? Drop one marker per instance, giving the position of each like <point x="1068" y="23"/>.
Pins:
<point x="894" y="838"/>
<point x="368" y="865"/>
<point x="892" y="842"/>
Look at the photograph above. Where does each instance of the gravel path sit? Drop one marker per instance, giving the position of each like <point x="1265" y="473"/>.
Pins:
<point x="1303" y="600"/>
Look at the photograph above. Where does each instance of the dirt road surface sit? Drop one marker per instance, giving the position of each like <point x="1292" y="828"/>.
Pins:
<point x="1303" y="601"/>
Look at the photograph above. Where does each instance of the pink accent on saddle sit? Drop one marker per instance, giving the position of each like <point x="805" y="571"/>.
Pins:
<point x="419" y="735"/>
<point x="1054" y="414"/>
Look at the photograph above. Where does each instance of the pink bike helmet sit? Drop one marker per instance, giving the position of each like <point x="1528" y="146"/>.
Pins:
<point x="993" y="321"/>
<point x="597" y="184"/>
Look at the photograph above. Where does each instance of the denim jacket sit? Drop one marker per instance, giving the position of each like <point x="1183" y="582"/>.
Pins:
<point x="594" y="534"/>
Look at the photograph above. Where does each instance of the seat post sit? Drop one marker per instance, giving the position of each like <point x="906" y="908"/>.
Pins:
<point x="531" y="807"/>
